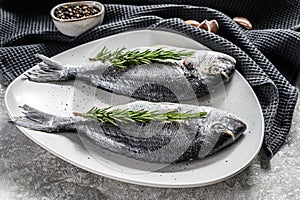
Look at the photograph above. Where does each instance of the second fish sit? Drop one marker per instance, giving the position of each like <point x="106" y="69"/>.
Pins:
<point x="159" y="73"/>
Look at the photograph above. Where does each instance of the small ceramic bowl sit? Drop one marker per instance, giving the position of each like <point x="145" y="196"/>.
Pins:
<point x="74" y="27"/>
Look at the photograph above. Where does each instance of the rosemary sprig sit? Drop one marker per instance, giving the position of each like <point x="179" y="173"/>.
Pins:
<point x="123" y="59"/>
<point x="142" y="116"/>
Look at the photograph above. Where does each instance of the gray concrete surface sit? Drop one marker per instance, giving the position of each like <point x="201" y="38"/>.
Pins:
<point x="29" y="172"/>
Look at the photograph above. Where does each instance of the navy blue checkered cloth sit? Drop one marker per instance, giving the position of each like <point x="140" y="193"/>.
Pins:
<point x="268" y="56"/>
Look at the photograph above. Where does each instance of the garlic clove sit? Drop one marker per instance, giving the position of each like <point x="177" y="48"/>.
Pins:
<point x="193" y="23"/>
<point x="214" y="26"/>
<point x="205" y="25"/>
<point x="244" y="22"/>
<point x="210" y="26"/>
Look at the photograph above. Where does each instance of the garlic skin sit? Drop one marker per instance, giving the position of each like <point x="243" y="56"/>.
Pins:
<point x="244" y="22"/>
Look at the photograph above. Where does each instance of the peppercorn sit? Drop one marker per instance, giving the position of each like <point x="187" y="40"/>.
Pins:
<point x="75" y="11"/>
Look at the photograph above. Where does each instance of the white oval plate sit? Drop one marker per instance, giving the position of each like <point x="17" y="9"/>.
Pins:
<point x="57" y="98"/>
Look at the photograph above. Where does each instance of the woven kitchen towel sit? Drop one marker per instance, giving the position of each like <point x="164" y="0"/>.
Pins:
<point x="273" y="44"/>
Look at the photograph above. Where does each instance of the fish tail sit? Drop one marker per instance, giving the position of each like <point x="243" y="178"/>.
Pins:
<point x="37" y="120"/>
<point x="49" y="70"/>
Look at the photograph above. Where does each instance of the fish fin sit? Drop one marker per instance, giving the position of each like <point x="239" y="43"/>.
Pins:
<point x="50" y="62"/>
<point x="31" y="124"/>
<point x="49" y="70"/>
<point x="38" y="120"/>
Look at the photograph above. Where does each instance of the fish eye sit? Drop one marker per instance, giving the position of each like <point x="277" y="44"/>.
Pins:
<point x="215" y="69"/>
<point x="218" y="127"/>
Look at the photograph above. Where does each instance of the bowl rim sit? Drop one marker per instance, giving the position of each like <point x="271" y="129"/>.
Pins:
<point x="98" y="4"/>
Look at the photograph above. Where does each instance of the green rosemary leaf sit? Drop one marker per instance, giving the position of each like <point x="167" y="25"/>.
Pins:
<point x="123" y="59"/>
<point x="142" y="116"/>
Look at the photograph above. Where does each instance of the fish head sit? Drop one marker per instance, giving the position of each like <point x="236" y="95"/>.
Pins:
<point x="214" y="64"/>
<point x="229" y="129"/>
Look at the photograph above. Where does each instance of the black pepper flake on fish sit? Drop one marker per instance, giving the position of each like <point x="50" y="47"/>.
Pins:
<point x="155" y="142"/>
<point x="167" y="80"/>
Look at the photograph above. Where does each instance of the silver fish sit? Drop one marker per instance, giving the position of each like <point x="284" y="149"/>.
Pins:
<point x="168" y="81"/>
<point x="154" y="142"/>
